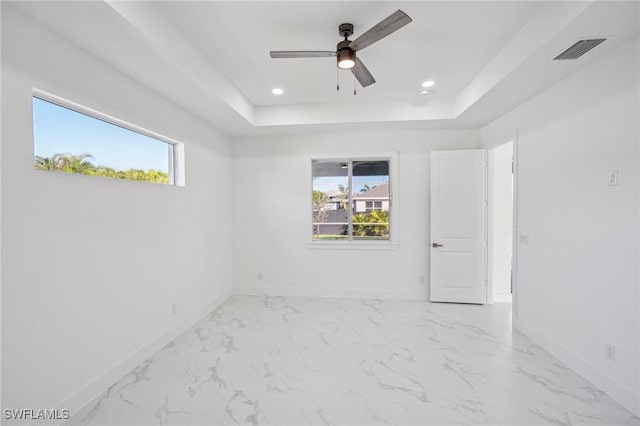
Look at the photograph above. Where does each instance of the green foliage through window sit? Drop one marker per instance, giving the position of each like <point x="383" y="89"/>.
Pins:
<point x="371" y="224"/>
<point x="69" y="163"/>
<point x="320" y="212"/>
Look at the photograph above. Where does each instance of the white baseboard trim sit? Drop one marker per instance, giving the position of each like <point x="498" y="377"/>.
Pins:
<point x="624" y="395"/>
<point x="347" y="293"/>
<point x="92" y="390"/>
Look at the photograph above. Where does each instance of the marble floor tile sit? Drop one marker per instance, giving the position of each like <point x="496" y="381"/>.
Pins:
<point x="303" y="361"/>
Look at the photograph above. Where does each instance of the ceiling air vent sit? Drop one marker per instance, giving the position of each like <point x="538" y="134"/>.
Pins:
<point x="579" y="48"/>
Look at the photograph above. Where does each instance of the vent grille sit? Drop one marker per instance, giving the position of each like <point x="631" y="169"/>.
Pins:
<point x="579" y="48"/>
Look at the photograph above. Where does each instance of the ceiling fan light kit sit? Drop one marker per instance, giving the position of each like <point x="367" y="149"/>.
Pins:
<point x="346" y="49"/>
<point x="346" y="55"/>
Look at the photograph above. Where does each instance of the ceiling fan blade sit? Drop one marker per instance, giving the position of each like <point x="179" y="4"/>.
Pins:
<point x="362" y="74"/>
<point x="301" y="53"/>
<point x="388" y="25"/>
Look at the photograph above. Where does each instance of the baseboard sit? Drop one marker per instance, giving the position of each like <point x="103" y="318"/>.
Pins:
<point x="624" y="395"/>
<point x="348" y="293"/>
<point x="91" y="391"/>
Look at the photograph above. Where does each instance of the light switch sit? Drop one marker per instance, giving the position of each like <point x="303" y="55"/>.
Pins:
<point x="613" y="177"/>
<point x="524" y="239"/>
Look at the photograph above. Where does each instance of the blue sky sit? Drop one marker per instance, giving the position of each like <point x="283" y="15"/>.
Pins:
<point x="58" y="130"/>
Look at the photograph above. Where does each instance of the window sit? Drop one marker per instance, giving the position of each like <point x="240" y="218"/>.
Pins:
<point x="72" y="140"/>
<point x="351" y="199"/>
<point x="373" y="205"/>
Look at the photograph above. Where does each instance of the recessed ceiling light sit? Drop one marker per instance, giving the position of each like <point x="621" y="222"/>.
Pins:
<point x="428" y="83"/>
<point x="277" y="91"/>
<point x="424" y="92"/>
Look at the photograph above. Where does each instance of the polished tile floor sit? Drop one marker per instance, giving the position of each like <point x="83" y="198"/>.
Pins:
<point x="302" y="361"/>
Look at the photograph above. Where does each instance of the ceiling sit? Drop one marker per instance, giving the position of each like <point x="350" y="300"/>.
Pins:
<point x="212" y="58"/>
<point x="446" y="42"/>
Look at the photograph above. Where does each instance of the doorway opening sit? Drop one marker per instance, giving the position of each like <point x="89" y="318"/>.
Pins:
<point x="500" y="165"/>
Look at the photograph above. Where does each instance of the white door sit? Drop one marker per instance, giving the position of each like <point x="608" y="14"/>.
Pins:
<point x="458" y="226"/>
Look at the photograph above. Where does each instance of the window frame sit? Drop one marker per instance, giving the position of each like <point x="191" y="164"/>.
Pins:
<point x="349" y="243"/>
<point x="176" y="149"/>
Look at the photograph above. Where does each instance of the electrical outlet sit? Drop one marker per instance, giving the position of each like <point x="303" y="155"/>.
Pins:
<point x="174" y="308"/>
<point x="524" y="239"/>
<point x="610" y="352"/>
<point x="612" y="177"/>
<point x="421" y="279"/>
<point x="259" y="275"/>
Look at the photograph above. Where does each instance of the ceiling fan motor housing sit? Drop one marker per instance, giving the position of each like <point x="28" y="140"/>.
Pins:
<point x="345" y="30"/>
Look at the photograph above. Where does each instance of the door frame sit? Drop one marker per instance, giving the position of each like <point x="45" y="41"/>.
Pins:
<point x="491" y="211"/>
<point x="515" y="233"/>
<point x="514" y="247"/>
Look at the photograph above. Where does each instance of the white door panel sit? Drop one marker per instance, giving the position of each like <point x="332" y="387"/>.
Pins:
<point x="458" y="226"/>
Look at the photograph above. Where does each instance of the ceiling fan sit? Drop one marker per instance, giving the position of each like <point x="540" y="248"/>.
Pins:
<point x="346" y="49"/>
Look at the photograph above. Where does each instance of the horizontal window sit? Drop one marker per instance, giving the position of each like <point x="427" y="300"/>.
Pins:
<point x="71" y="140"/>
<point x="351" y="199"/>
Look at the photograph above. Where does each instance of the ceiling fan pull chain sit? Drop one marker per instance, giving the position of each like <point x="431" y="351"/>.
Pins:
<point x="337" y="79"/>
<point x="354" y="86"/>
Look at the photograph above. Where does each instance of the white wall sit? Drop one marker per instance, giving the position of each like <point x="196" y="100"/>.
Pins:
<point x="92" y="265"/>
<point x="272" y="218"/>
<point x="500" y="219"/>
<point x="578" y="278"/>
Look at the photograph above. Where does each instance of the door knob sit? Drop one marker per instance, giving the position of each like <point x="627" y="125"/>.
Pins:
<point x="436" y="245"/>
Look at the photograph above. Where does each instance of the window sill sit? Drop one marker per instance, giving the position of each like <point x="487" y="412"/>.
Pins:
<point x="352" y="245"/>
